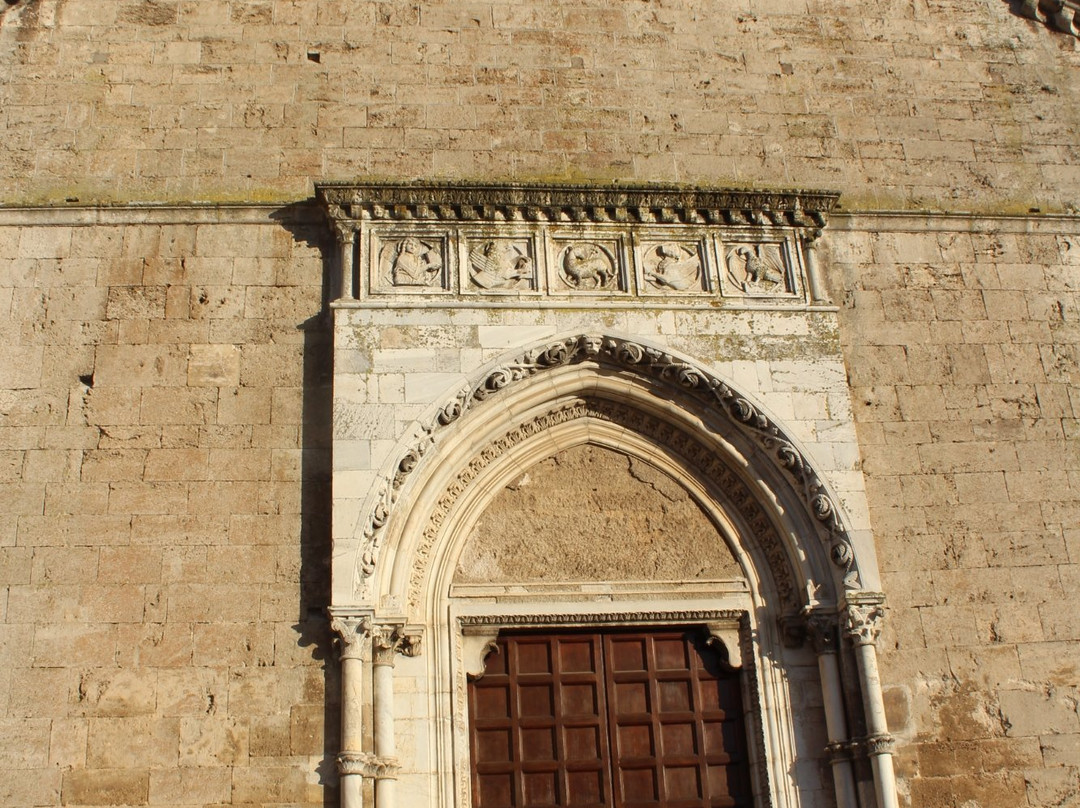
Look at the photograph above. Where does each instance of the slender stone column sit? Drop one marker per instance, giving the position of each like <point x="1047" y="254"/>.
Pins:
<point x="352" y="760"/>
<point x="386" y="642"/>
<point x="818" y="294"/>
<point x="346" y="237"/>
<point x="862" y="626"/>
<point x="824" y="635"/>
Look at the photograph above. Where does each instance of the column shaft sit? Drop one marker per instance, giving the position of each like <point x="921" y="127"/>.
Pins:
<point x="345" y="264"/>
<point x="385" y="747"/>
<point x="836" y="728"/>
<point x="818" y="295"/>
<point x="876" y="725"/>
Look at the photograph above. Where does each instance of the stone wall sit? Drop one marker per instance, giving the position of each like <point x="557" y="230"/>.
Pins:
<point x="962" y="348"/>
<point x="164" y="414"/>
<point x="165" y="547"/>
<point x="909" y="103"/>
<point x="164" y="554"/>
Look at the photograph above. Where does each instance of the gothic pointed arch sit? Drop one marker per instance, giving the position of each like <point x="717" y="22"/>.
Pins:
<point x="613" y="391"/>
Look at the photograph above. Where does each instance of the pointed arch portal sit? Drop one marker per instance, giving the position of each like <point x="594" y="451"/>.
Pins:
<point x="766" y="563"/>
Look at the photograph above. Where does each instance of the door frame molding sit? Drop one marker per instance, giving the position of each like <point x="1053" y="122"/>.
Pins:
<point x="724" y="609"/>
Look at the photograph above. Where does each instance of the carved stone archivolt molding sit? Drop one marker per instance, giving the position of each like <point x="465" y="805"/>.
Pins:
<point x="654" y="364"/>
<point x="522" y="240"/>
<point x="706" y="463"/>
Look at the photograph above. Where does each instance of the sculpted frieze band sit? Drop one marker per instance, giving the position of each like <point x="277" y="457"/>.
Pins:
<point x="658" y="242"/>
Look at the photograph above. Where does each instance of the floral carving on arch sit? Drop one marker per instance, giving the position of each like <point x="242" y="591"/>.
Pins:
<point x="643" y="360"/>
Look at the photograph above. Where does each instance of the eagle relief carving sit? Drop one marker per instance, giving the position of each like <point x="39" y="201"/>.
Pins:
<point x="758" y="270"/>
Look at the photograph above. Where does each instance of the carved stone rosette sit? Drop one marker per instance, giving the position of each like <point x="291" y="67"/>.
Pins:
<point x="491" y="240"/>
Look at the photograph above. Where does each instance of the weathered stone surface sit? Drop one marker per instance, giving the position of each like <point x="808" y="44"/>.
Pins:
<point x="602" y="515"/>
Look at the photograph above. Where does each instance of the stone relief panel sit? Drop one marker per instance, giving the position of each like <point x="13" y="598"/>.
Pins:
<point x="592" y="514"/>
<point x="588" y="265"/>
<point x="501" y="265"/>
<point x="411" y="264"/>
<point x="761" y="269"/>
<point x="570" y="241"/>
<point x="673" y="267"/>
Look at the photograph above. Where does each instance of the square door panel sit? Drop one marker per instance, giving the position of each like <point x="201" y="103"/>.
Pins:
<point x="582" y="743"/>
<point x="536" y="700"/>
<point x="577" y="656"/>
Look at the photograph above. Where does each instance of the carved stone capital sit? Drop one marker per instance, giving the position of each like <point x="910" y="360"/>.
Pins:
<point x="368" y="765"/>
<point x="862" y="622"/>
<point x="823" y="631"/>
<point x="839" y="751"/>
<point x="879" y="744"/>
<point x="344" y="227"/>
<point x="390" y="639"/>
<point x="352" y="630"/>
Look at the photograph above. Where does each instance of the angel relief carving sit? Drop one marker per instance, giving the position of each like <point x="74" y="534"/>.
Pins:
<point x="673" y="267"/>
<point x="758" y="270"/>
<point x="501" y="264"/>
<point x="413" y="262"/>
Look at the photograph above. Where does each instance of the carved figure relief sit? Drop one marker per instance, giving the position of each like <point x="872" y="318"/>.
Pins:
<point x="502" y="264"/>
<point x="758" y="270"/>
<point x="588" y="266"/>
<point x="414" y="262"/>
<point x="673" y="267"/>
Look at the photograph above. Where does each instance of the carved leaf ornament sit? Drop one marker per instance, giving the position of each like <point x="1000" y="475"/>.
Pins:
<point x="626" y="355"/>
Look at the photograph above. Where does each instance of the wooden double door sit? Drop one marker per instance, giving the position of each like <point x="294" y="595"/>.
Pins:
<point x="618" y="719"/>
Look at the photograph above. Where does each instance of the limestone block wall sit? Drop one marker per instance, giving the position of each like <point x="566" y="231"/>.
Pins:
<point x="961" y="339"/>
<point x="909" y="103"/>
<point x="165" y="422"/>
<point x="164" y="486"/>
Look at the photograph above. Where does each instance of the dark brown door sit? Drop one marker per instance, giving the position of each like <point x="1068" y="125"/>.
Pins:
<point x="629" y="720"/>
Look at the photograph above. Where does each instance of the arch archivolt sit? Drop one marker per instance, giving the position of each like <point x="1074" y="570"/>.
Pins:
<point x="723" y="495"/>
<point x="575" y="390"/>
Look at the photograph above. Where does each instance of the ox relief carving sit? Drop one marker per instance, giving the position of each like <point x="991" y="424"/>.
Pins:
<point x="758" y="270"/>
<point x="588" y="266"/>
<point x="413" y="262"/>
<point x="673" y="267"/>
<point x="502" y="264"/>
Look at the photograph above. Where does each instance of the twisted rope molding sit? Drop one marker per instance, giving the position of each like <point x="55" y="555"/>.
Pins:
<point x="645" y="361"/>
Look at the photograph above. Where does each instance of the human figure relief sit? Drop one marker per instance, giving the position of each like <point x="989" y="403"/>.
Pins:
<point x="499" y="265"/>
<point x="415" y="264"/>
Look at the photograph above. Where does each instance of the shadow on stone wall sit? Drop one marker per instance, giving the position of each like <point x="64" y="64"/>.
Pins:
<point x="1058" y="15"/>
<point x="304" y="221"/>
